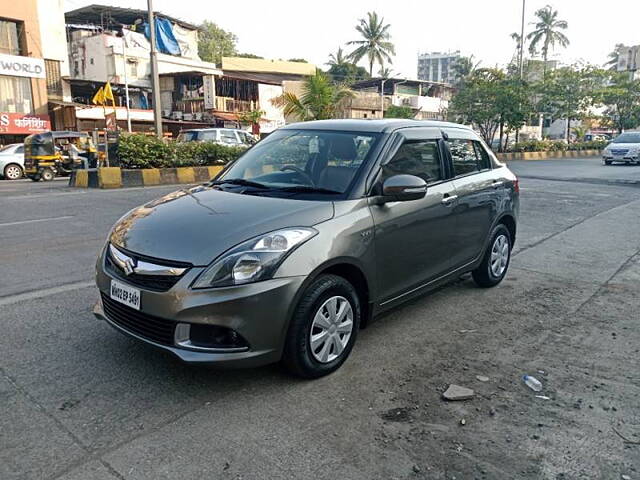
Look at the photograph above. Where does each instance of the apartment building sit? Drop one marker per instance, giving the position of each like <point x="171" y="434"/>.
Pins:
<point x="33" y="63"/>
<point x="437" y="67"/>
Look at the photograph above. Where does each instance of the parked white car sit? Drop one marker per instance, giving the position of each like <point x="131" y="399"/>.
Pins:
<point x="225" y="136"/>
<point x="624" y="148"/>
<point x="12" y="161"/>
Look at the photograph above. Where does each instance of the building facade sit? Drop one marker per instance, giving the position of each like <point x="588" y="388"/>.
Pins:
<point x="33" y="62"/>
<point x="437" y="67"/>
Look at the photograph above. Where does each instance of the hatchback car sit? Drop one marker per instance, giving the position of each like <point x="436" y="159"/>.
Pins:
<point x="224" y="136"/>
<point x="305" y="238"/>
<point x="12" y="161"/>
<point x="624" y="148"/>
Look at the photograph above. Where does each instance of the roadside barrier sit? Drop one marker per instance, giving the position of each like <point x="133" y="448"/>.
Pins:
<point x="116" y="177"/>
<point x="548" y="155"/>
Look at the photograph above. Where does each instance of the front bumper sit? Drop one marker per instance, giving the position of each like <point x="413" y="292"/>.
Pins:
<point x="259" y="312"/>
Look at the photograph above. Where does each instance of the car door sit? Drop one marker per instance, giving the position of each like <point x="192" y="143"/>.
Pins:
<point x="413" y="238"/>
<point x="478" y="194"/>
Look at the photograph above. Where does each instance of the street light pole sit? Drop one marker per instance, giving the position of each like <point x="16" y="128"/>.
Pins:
<point x="522" y="42"/>
<point x="382" y="97"/>
<point x="155" y="79"/>
<point x="126" y="85"/>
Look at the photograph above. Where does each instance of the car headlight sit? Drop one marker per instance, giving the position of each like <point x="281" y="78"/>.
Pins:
<point x="254" y="260"/>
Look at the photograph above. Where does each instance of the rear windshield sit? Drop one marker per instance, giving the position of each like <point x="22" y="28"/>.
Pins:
<point x="628" y="137"/>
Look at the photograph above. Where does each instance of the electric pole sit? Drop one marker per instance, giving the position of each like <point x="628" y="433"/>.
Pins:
<point x="155" y="79"/>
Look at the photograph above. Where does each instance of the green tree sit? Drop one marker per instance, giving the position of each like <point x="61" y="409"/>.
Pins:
<point x="347" y="73"/>
<point x="320" y="99"/>
<point x="248" y="55"/>
<point x="492" y="102"/>
<point x="338" y="59"/>
<point x="568" y="92"/>
<point x="375" y="44"/>
<point x="621" y="96"/>
<point x="547" y="31"/>
<point x="385" y="72"/>
<point x="297" y="60"/>
<point x="215" y="42"/>
<point x="394" y="111"/>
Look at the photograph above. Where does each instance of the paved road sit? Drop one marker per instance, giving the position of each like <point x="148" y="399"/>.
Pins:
<point x="80" y="401"/>
<point x="589" y="170"/>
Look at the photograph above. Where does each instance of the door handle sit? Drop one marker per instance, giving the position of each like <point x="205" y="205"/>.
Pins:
<point x="497" y="183"/>
<point x="449" y="200"/>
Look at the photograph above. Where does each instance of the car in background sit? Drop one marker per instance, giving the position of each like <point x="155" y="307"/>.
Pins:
<point x="232" y="137"/>
<point x="12" y="161"/>
<point x="624" y="148"/>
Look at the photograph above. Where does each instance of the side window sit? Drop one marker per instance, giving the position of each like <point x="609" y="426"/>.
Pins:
<point x="463" y="155"/>
<point x="228" y="136"/>
<point x="20" y="149"/>
<point x="416" y="157"/>
<point x="484" y="162"/>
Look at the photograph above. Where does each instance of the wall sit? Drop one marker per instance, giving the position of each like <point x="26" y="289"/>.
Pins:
<point x="273" y="115"/>
<point x="27" y="11"/>
<point x="54" y="39"/>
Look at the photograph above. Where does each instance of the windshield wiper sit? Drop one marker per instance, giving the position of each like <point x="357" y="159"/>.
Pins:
<point x="307" y="189"/>
<point x="239" y="181"/>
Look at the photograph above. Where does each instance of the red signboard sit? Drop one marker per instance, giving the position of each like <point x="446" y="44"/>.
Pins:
<point x="18" y="123"/>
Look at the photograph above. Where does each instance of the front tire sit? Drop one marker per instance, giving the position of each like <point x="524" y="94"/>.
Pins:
<point x="47" y="175"/>
<point x="607" y="162"/>
<point x="495" y="262"/>
<point x="323" y="329"/>
<point x="13" y="171"/>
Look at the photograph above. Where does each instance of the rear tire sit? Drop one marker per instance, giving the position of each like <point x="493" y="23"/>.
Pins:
<point x="47" y="175"/>
<point x="323" y="328"/>
<point x="497" y="257"/>
<point x="13" y="171"/>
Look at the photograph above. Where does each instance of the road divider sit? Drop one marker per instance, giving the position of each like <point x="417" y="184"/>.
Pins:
<point x="548" y="155"/>
<point x="116" y="177"/>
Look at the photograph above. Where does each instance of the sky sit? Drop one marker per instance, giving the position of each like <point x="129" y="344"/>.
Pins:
<point x="312" y="30"/>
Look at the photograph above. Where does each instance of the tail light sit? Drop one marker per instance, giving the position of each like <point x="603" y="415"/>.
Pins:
<point x="516" y="185"/>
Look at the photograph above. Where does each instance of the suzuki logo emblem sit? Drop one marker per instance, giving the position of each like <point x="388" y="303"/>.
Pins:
<point x="128" y="266"/>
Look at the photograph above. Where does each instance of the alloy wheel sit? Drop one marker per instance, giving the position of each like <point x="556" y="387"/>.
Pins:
<point x="12" y="172"/>
<point x="331" y="329"/>
<point x="499" y="255"/>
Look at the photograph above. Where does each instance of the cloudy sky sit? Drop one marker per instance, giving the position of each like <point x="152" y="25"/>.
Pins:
<point x="313" y="30"/>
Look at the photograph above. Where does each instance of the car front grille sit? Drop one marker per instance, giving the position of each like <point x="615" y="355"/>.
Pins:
<point x="619" y="151"/>
<point x="156" y="329"/>
<point x="156" y="283"/>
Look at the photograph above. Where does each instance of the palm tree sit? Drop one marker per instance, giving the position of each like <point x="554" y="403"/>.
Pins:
<point x="385" y="72"/>
<point x="375" y="44"/>
<point x="463" y="68"/>
<point x="320" y="99"/>
<point x="338" y="59"/>
<point x="612" y="63"/>
<point x="548" y="32"/>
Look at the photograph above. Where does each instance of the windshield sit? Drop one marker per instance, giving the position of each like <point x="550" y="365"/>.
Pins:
<point x="304" y="159"/>
<point x="188" y="136"/>
<point x="628" y="137"/>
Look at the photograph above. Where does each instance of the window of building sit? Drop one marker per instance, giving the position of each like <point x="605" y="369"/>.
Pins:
<point x="54" y="81"/>
<point x="416" y="157"/>
<point x="10" y="33"/>
<point x="16" y="94"/>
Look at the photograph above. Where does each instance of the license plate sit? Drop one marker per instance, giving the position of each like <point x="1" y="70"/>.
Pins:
<point x="125" y="294"/>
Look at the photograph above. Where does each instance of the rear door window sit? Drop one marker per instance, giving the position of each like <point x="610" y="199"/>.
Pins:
<point x="468" y="156"/>
<point x="228" y="137"/>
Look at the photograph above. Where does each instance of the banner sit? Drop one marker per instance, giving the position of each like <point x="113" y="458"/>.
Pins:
<point x="21" y="123"/>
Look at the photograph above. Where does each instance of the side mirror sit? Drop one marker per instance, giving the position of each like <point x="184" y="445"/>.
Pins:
<point x="403" y="188"/>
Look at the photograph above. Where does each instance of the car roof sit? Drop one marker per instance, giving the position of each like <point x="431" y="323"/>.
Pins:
<point x="211" y="128"/>
<point x="379" y="126"/>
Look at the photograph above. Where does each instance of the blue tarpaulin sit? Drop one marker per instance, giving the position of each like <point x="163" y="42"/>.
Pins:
<point x="165" y="39"/>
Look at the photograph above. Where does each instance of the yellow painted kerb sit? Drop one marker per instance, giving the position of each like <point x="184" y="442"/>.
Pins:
<point x="186" y="175"/>
<point x="82" y="178"/>
<point x="150" y="176"/>
<point x="109" y="177"/>
<point x="215" y="170"/>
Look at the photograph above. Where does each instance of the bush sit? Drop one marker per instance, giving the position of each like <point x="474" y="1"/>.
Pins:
<point x="147" y="151"/>
<point x="591" y="145"/>
<point x="556" y="146"/>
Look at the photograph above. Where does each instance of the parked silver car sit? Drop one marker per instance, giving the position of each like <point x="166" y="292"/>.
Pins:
<point x="305" y="238"/>
<point x="225" y="136"/>
<point x="12" y="161"/>
<point x="624" y="148"/>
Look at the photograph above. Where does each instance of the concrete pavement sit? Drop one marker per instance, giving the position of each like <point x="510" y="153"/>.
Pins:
<point x="80" y="401"/>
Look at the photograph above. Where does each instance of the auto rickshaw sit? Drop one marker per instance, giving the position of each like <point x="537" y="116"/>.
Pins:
<point x="57" y="153"/>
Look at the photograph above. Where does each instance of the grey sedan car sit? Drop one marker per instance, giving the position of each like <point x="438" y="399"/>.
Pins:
<point x="12" y="161"/>
<point x="307" y="237"/>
